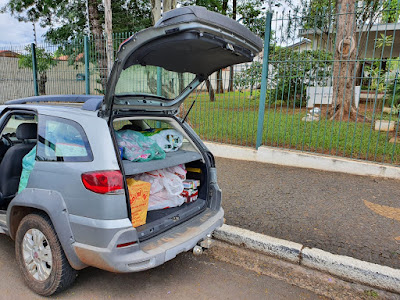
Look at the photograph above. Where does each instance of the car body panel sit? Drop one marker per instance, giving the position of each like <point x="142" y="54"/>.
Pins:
<point x="154" y="252"/>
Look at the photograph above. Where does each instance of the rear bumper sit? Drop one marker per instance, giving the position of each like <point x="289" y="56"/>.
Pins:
<point x="151" y="253"/>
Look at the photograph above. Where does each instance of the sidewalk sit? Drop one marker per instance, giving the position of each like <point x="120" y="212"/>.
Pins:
<point x="340" y="213"/>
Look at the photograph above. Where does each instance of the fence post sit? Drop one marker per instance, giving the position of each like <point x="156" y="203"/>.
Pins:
<point x="87" y="74"/>
<point x="34" y="69"/>
<point x="264" y="77"/>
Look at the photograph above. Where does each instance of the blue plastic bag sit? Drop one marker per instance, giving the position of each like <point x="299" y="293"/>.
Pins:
<point x="28" y="162"/>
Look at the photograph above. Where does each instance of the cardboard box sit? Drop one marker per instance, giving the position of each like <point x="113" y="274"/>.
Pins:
<point x="190" y="195"/>
<point x="191" y="183"/>
<point x="139" y="192"/>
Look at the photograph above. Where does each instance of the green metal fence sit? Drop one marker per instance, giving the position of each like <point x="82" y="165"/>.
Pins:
<point x="332" y="87"/>
<point x="319" y="86"/>
<point x="318" y="97"/>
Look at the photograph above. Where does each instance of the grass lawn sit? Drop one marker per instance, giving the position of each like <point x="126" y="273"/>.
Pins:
<point x="233" y="118"/>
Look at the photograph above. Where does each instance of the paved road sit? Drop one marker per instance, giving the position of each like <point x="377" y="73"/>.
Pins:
<point x="185" y="277"/>
<point x="343" y="214"/>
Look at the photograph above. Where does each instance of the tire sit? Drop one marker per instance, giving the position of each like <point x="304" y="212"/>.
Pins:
<point x="37" y="247"/>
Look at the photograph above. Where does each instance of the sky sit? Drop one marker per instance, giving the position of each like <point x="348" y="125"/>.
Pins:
<point x="16" y="33"/>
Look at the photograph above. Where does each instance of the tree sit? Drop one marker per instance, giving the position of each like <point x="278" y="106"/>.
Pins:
<point x="231" y="69"/>
<point x="252" y="16"/>
<point x="67" y="20"/>
<point x="301" y="69"/>
<point x="337" y="20"/>
<point x="44" y="61"/>
<point x="220" y="80"/>
<point x="109" y="34"/>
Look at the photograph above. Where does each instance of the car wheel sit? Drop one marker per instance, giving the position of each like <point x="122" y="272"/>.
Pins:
<point x="40" y="256"/>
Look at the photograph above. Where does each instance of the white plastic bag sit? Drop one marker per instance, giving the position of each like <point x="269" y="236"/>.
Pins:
<point x="166" y="187"/>
<point x="169" y="139"/>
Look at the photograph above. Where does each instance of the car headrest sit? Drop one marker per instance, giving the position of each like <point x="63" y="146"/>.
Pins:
<point x="26" y="131"/>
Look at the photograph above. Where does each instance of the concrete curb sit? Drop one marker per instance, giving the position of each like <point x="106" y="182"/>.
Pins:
<point x="272" y="246"/>
<point x="292" y="158"/>
<point x="349" y="268"/>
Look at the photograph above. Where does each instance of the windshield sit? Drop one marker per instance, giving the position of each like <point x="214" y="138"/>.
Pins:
<point x="139" y="79"/>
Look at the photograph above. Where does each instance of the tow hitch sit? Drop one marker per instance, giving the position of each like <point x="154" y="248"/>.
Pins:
<point x="204" y="244"/>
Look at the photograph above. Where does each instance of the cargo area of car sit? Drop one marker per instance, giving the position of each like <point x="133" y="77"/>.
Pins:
<point x="187" y="156"/>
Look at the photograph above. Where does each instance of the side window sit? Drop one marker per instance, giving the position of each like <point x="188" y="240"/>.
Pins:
<point x="8" y="135"/>
<point x="14" y="121"/>
<point x="62" y="140"/>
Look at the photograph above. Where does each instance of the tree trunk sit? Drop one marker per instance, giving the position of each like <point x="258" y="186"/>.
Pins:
<point x="231" y="75"/>
<point x="220" y="83"/>
<point x="42" y="83"/>
<point x="210" y="90"/>
<point x="231" y="70"/>
<point x="224" y="6"/>
<point x="155" y="10"/>
<point x="99" y="44"/>
<point x="108" y="31"/>
<point x="168" y="5"/>
<point x="181" y="82"/>
<point x="344" y="62"/>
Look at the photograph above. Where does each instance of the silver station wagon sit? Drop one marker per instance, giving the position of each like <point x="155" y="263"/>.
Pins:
<point x="64" y="192"/>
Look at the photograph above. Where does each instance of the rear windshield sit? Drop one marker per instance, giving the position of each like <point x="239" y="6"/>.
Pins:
<point x="150" y="80"/>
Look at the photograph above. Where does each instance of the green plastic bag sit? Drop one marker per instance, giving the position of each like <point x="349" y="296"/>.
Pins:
<point x="28" y="162"/>
<point x="137" y="147"/>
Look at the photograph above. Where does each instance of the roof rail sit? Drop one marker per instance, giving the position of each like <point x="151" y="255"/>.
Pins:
<point x="90" y="102"/>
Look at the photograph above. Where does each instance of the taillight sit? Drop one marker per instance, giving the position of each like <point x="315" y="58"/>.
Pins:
<point x="104" y="182"/>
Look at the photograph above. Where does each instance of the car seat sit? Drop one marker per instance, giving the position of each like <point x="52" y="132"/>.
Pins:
<point x="11" y="165"/>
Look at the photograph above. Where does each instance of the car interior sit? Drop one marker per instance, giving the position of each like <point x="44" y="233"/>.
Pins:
<point x="18" y="137"/>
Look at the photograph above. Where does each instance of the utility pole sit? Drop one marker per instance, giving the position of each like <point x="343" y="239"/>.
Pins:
<point x="108" y="31"/>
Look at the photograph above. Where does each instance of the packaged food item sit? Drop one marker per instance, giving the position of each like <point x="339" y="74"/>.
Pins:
<point x="191" y="183"/>
<point x="194" y="170"/>
<point x="139" y="192"/>
<point x="190" y="195"/>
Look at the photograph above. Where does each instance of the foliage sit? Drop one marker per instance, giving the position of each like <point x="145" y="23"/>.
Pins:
<point x="67" y="19"/>
<point x="391" y="12"/>
<point x="315" y="14"/>
<point x="294" y="71"/>
<point x="44" y="60"/>
<point x="213" y="5"/>
<point x="290" y="73"/>
<point x="384" y="41"/>
<point x="252" y="16"/>
<point x="248" y="78"/>
<point x="374" y="76"/>
<point x="393" y="91"/>
<point x="321" y="14"/>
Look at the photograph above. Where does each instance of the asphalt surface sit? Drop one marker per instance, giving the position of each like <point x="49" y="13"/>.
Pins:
<point x="344" y="214"/>
<point x="185" y="277"/>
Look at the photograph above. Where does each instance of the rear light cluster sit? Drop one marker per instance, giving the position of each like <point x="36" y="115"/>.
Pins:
<point x="104" y="182"/>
